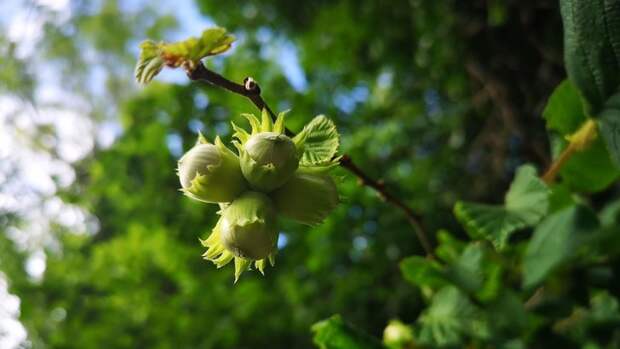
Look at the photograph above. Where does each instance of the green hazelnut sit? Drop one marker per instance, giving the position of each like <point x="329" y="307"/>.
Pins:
<point x="307" y="198"/>
<point x="268" y="160"/>
<point x="211" y="173"/>
<point x="248" y="226"/>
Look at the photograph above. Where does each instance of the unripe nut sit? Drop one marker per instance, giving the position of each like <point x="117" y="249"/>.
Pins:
<point x="268" y="160"/>
<point x="248" y="226"/>
<point x="211" y="173"/>
<point x="307" y="198"/>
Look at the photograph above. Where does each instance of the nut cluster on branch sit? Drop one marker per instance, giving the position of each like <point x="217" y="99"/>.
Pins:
<point x="268" y="178"/>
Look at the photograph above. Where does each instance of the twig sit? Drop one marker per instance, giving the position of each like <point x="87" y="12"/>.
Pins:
<point x="379" y="187"/>
<point x="578" y="141"/>
<point x="555" y="167"/>
<point x="251" y="90"/>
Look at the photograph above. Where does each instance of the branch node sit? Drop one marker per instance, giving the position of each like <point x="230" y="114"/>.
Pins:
<point x="251" y="85"/>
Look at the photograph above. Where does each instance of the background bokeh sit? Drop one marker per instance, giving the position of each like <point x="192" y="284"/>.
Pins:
<point x="98" y="249"/>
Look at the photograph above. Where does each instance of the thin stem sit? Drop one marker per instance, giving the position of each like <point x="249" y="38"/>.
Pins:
<point x="578" y="141"/>
<point x="379" y="187"/>
<point x="251" y="90"/>
<point x="558" y="163"/>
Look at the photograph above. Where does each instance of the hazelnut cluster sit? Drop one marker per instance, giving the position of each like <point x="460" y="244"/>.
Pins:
<point x="264" y="181"/>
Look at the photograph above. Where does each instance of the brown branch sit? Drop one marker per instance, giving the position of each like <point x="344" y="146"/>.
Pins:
<point x="251" y="90"/>
<point x="386" y="196"/>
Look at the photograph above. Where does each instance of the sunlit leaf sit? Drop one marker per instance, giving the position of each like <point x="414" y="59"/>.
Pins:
<point x="154" y="56"/>
<point x="213" y="41"/>
<point x="149" y="63"/>
<point x="320" y="140"/>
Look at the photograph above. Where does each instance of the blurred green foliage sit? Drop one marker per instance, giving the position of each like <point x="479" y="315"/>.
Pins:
<point x="441" y="99"/>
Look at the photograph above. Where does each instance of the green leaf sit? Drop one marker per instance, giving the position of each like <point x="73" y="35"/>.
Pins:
<point x="555" y="241"/>
<point x="589" y="170"/>
<point x="560" y="197"/>
<point x="334" y="333"/>
<point x="213" y="41"/>
<point x="592" y="48"/>
<point x="528" y="195"/>
<point x="449" y="318"/>
<point x="321" y="140"/>
<point x="494" y="223"/>
<point x="149" y="62"/>
<point x="153" y="56"/>
<point x="467" y="272"/>
<point x="609" y="127"/>
<point x="475" y="273"/>
<point x="507" y="313"/>
<point x="448" y="247"/>
<point x="526" y="202"/>
<point x="471" y="271"/>
<point x="422" y="272"/>
<point x="564" y="110"/>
